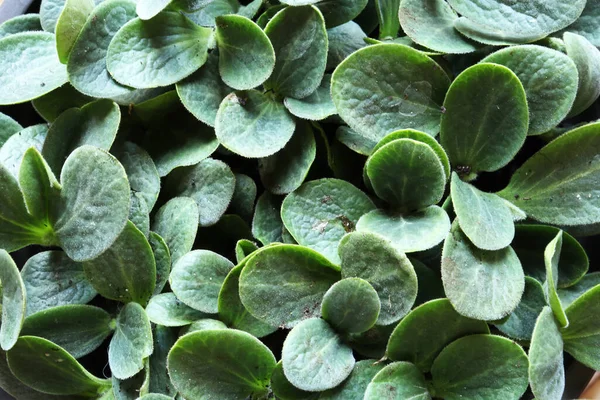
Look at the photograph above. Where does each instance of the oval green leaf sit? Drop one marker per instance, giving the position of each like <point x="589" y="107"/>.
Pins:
<point x="520" y="323"/>
<point x="397" y="381"/>
<point x="587" y="59"/>
<point x="13" y="301"/>
<point x="177" y="223"/>
<point x="20" y="23"/>
<point x="166" y="310"/>
<point x="316" y="106"/>
<point x="69" y="24"/>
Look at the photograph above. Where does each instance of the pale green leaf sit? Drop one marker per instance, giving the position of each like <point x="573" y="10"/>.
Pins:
<point x="398" y="381"/>
<point x="20" y="23"/>
<point x="51" y="105"/>
<point x="343" y="40"/>
<point x="266" y="223"/>
<point x="8" y="127"/>
<point x="166" y="310"/>
<point x="13" y="150"/>
<point x="587" y="59"/>
<point x="316" y="106"/>
<point x="177" y="223"/>
<point x="13" y="301"/>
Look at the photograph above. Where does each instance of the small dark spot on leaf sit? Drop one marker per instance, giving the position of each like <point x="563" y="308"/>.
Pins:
<point x="346" y="223"/>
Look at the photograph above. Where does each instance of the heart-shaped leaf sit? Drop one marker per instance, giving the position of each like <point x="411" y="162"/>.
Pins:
<point x="246" y="56"/>
<point x="166" y="310"/>
<point x="284" y="171"/>
<point x="48" y="368"/>
<point x="127" y="270"/>
<point x="95" y="124"/>
<point x="351" y="306"/>
<point x="549" y="95"/>
<point x="282" y="285"/>
<point x="587" y="59"/>
<point x="391" y="274"/>
<point x="78" y="329"/>
<point x="483" y="217"/>
<point x="177" y="223"/>
<point x="380" y="89"/>
<point x="300" y="41"/>
<point x="197" y="277"/>
<point x="237" y="365"/>
<point x="546" y="370"/>
<point x="418" y="339"/>
<point x="131" y="343"/>
<point x="416" y="231"/>
<point x="480" y="284"/>
<point x="567" y="165"/>
<point x="21" y="51"/>
<point x="431" y="24"/>
<point x="401" y="379"/>
<point x="13" y="301"/>
<point x="314" y="357"/>
<point x="52" y="279"/>
<point x="253" y="124"/>
<point x="520" y="323"/>
<point x="172" y="48"/>
<point x="486" y="118"/>
<point x="321" y="212"/>
<point x="497" y="23"/>
<point x="466" y="366"/>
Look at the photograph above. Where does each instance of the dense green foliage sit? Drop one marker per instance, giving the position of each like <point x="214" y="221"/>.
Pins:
<point x="298" y="199"/>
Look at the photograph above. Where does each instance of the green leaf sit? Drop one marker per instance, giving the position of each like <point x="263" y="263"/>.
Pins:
<point x="8" y="127"/>
<point x="177" y="223"/>
<point x="531" y="241"/>
<point x="355" y="141"/>
<point x="587" y="24"/>
<point x="21" y="51"/>
<point x="246" y="56"/>
<point x="197" y="277"/>
<point x="520" y="323"/>
<point x="387" y="13"/>
<point x="95" y="124"/>
<point x="403" y="164"/>
<point x="147" y="9"/>
<point x="49" y="12"/>
<point x="587" y="59"/>
<point x="202" y="92"/>
<point x="321" y="212"/>
<point x="210" y="183"/>
<point x="314" y="357"/>
<point x="13" y="150"/>
<point x="253" y="124"/>
<point x="233" y="312"/>
<point x="51" y="105"/>
<point x="166" y="310"/>
<point x="430" y="282"/>
<point x="202" y="325"/>
<point x="299" y="38"/>
<point x="20" y="23"/>
<point x="497" y="23"/>
<point x="211" y="9"/>
<point x="141" y="171"/>
<point x="556" y="185"/>
<point x="418" y="339"/>
<point x="52" y="279"/>
<point x="355" y="386"/>
<point x="284" y="390"/>
<point x="162" y="256"/>
<point x="131" y="343"/>
<point x="237" y="365"/>
<point x="486" y="118"/>
<point x="139" y="213"/>
<point x="157" y="52"/>
<point x="551" y="259"/>
<point x="283" y="285"/>
<point x="78" y="329"/>
<point x="132" y="388"/>
<point x="582" y="335"/>
<point x="480" y="284"/>
<point x="383" y="88"/>
<point x="343" y="40"/>
<point x="351" y="306"/>
<point x="155" y="396"/>
<point x="244" y="197"/>
<point x="38" y="184"/>
<point x="316" y="106"/>
<point x="243" y="248"/>
<point x="569" y="295"/>
<point x="483" y="217"/>
<point x="551" y="93"/>
<point x="373" y="259"/>
<point x="164" y="339"/>
<point x="266" y="223"/>
<point x="69" y="24"/>
<point x="546" y="370"/>
<point x="127" y="270"/>
<point x="13" y="301"/>
<point x="338" y="12"/>
<point x="465" y="368"/>
<point x="371" y="343"/>
<point x="91" y="176"/>
<point x="416" y="231"/>
<point x="284" y="171"/>
<point x="48" y="368"/>
<point x="399" y="380"/>
<point x="430" y="23"/>
<point x="87" y="62"/>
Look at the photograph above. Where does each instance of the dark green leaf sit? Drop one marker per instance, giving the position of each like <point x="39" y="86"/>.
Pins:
<point x="162" y="257"/>
<point x="284" y="390"/>
<point x="355" y="386"/>
<point x="397" y="381"/>
<point x="520" y="323"/>
<point x="582" y="336"/>
<point x="266" y="223"/>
